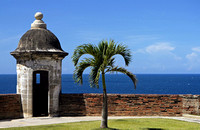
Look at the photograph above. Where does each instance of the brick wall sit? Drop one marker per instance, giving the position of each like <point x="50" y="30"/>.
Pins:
<point x="121" y="105"/>
<point x="72" y="105"/>
<point x="10" y="106"/>
<point x="136" y="105"/>
<point x="118" y="105"/>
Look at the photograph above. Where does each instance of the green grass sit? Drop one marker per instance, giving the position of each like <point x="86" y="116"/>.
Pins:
<point x="120" y="124"/>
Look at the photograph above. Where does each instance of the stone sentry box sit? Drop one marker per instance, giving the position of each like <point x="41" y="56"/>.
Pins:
<point x="39" y="66"/>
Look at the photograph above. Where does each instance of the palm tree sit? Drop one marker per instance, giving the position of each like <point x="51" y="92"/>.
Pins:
<point x="101" y="62"/>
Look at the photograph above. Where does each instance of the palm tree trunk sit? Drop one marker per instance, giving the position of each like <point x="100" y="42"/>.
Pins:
<point x="104" y="121"/>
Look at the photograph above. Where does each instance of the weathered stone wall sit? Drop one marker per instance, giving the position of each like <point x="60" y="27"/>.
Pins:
<point x="10" y="106"/>
<point x="25" y="69"/>
<point x="191" y="104"/>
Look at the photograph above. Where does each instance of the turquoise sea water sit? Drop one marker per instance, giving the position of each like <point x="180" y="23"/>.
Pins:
<point x="121" y="84"/>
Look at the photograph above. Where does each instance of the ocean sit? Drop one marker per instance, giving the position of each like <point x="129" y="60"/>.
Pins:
<point x="121" y="84"/>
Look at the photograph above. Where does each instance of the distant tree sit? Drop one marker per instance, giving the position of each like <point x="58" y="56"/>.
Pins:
<point x="101" y="63"/>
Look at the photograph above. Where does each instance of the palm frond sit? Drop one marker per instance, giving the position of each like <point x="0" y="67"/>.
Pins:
<point x="110" y="49"/>
<point x="87" y="62"/>
<point x="124" y="52"/>
<point x="110" y="63"/>
<point x="102" y="60"/>
<point x="94" y="77"/>
<point x="123" y="70"/>
<point x="81" y="50"/>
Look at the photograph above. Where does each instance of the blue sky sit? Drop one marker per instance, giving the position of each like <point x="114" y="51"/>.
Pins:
<point x="163" y="35"/>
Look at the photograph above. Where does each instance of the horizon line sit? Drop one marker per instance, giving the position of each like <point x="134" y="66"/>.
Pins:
<point x="115" y="73"/>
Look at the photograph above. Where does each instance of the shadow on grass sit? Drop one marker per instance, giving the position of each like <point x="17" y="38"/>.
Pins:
<point x="125" y="129"/>
<point x="153" y="129"/>
<point x="106" y="129"/>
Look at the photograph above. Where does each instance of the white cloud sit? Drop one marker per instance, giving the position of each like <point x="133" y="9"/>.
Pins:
<point x="191" y="56"/>
<point x="193" y="59"/>
<point x="196" y="49"/>
<point x="160" y="49"/>
<point x="163" y="46"/>
<point x="194" y="55"/>
<point x="159" y="57"/>
<point x="157" y="48"/>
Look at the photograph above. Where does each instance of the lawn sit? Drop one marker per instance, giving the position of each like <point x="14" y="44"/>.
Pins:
<point x="120" y="124"/>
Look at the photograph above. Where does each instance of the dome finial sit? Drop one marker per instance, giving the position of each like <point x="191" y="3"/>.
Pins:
<point x="38" y="23"/>
<point x="38" y="16"/>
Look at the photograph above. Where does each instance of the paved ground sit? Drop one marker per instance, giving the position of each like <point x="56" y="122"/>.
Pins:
<point x="55" y="120"/>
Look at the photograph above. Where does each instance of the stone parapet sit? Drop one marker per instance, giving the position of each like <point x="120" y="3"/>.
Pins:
<point x="121" y="105"/>
<point x="118" y="105"/>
